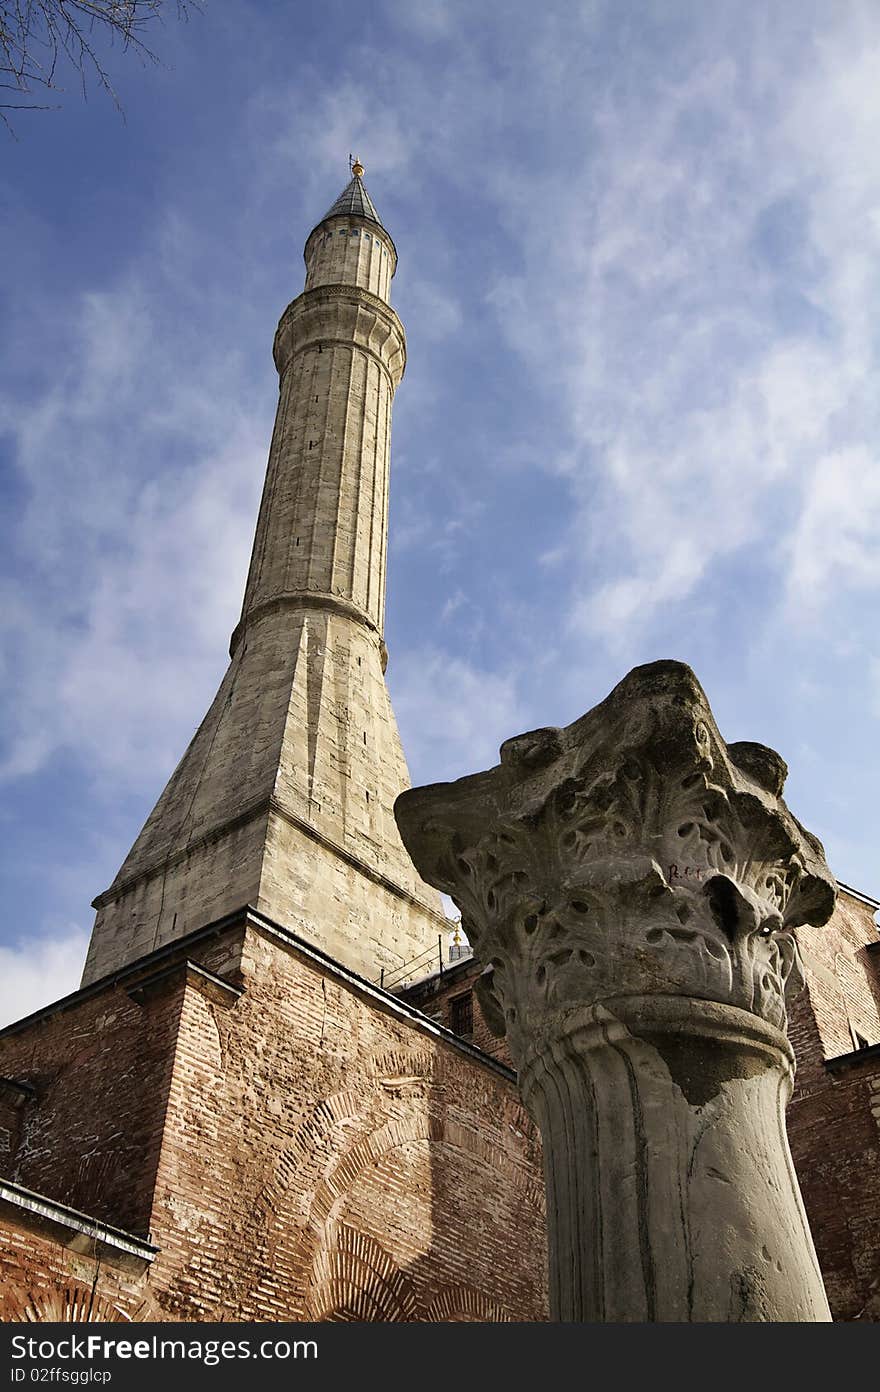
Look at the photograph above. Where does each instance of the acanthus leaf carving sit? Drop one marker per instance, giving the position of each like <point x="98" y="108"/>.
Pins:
<point x="630" y="853"/>
<point x="632" y="886"/>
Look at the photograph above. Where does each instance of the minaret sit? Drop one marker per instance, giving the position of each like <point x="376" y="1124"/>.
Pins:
<point x="284" y="798"/>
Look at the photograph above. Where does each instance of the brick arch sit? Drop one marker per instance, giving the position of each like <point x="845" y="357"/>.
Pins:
<point x="70" y="1303"/>
<point x="356" y="1279"/>
<point x="316" y="1138"/>
<point x="314" y="1142"/>
<point x="330" y="1195"/>
<point x="399" y="1131"/>
<point x="309" y="1163"/>
<point x="459" y="1304"/>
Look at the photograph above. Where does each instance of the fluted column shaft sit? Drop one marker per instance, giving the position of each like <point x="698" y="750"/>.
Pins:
<point x="631" y="882"/>
<point x="665" y="1206"/>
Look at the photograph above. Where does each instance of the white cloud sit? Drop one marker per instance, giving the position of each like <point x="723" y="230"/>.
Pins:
<point x="437" y="311"/>
<point x="836" y="542"/>
<point x="138" y="472"/>
<point x="453" y="716"/>
<point x="37" y="971"/>
<point x="705" y="371"/>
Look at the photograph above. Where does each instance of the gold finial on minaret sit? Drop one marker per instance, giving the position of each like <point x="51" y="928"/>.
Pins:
<point x="356" y="167"/>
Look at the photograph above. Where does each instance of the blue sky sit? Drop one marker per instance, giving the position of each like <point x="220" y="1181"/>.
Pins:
<point x="640" y="276"/>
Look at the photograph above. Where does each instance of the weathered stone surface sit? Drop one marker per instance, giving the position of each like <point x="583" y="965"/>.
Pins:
<point x="631" y="883"/>
<point x="283" y="799"/>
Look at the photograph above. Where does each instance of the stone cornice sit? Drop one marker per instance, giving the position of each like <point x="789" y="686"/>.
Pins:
<point x="163" y="962"/>
<point x="103" y="1239"/>
<point x="265" y="807"/>
<point x="308" y="599"/>
<point x="214" y="988"/>
<point x="121" y="887"/>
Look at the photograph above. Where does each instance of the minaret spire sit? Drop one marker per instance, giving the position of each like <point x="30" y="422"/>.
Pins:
<point x="354" y="200"/>
<point x="322" y="528"/>
<point x="284" y="797"/>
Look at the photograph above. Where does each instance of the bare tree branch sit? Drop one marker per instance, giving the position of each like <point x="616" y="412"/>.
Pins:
<point x="39" y="36"/>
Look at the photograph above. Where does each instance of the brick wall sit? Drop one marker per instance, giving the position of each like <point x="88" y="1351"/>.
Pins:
<point x="834" y="1117"/>
<point x="303" y="1150"/>
<point x="835" y="1140"/>
<point x="89" y="1136"/>
<point x="322" y="1156"/>
<point x="41" y="1279"/>
<point x="436" y="996"/>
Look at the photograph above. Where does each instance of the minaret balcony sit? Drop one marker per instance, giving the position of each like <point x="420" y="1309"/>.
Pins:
<point x="348" y="317"/>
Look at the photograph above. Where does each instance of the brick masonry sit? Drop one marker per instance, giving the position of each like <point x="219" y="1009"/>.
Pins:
<point x="437" y="996"/>
<point x="301" y="1150"/>
<point x="834" y="1117"/>
<point x="43" y="1280"/>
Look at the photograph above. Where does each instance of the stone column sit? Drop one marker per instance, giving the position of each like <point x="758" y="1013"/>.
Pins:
<point x="631" y="883"/>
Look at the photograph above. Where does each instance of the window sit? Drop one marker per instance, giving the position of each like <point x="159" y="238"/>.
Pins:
<point x="461" y="1014"/>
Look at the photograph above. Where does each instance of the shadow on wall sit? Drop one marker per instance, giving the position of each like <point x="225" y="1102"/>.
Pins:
<point x="423" y="1199"/>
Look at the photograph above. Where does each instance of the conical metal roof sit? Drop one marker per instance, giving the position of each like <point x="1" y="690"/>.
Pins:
<point x="354" y="199"/>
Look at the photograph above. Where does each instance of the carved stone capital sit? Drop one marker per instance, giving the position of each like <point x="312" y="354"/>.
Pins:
<point x="631" y="883"/>
<point x="631" y="853"/>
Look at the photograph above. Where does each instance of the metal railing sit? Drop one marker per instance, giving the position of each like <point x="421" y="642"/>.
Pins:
<point x="398" y="976"/>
